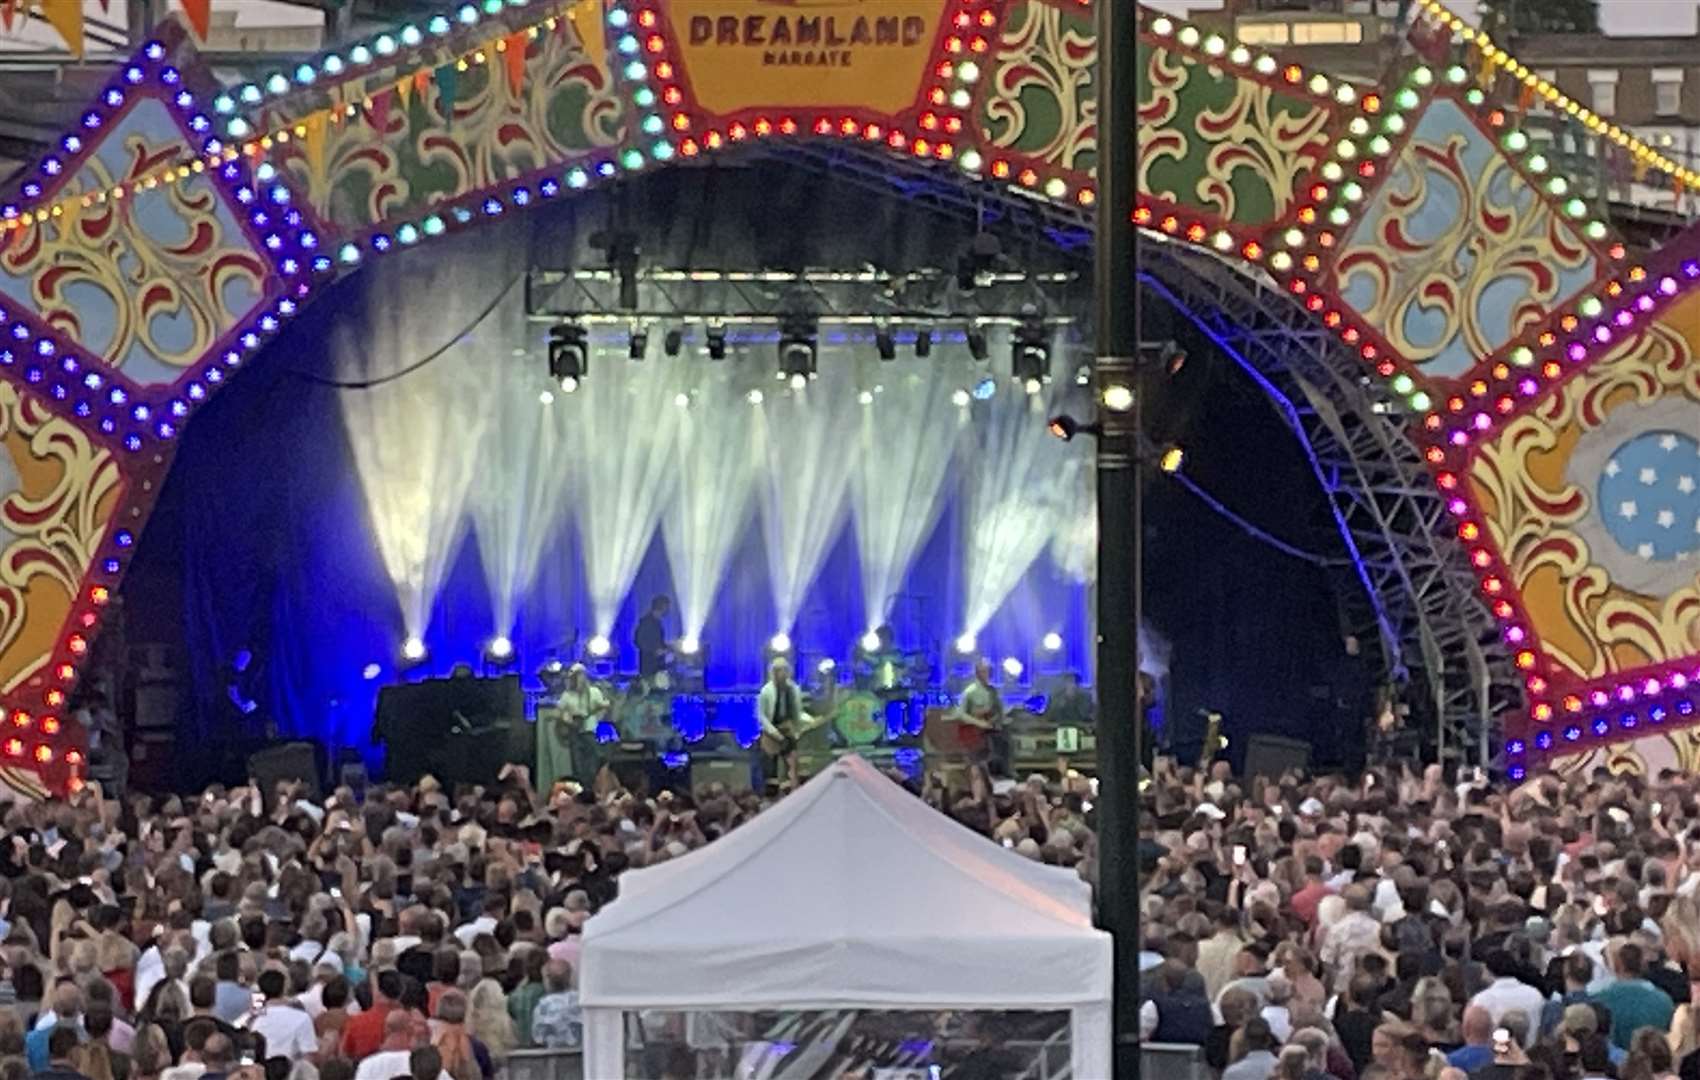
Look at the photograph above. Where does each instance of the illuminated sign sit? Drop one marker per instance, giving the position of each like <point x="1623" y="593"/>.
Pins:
<point x="770" y="54"/>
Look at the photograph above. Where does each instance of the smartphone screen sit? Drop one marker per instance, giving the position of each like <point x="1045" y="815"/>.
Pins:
<point x="1502" y="1041"/>
<point x="1239" y="854"/>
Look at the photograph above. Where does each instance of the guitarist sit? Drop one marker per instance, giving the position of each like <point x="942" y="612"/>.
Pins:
<point x="779" y="707"/>
<point x="582" y="706"/>
<point x="981" y="706"/>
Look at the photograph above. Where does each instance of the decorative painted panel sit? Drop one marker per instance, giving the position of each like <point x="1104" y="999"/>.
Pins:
<point x="1040" y="97"/>
<point x="1455" y="254"/>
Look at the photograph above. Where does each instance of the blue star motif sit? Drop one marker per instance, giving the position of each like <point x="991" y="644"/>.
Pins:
<point x="1649" y="496"/>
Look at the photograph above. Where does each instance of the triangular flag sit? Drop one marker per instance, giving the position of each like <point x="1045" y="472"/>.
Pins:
<point x="315" y="140"/>
<point x="8" y="11"/>
<point x="421" y="82"/>
<point x="199" y="14"/>
<point x="515" y="55"/>
<point x="66" y="16"/>
<point x="448" y="88"/>
<point x="586" y="17"/>
<point x="379" y="111"/>
<point x="404" y="90"/>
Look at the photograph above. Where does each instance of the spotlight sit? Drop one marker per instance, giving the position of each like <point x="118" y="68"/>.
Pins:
<point x="1118" y="398"/>
<point x="780" y="642"/>
<point x="546" y="397"/>
<point x="1030" y="352"/>
<point x="598" y="645"/>
<point x="370" y="672"/>
<point x="639" y="346"/>
<point x="865" y="397"/>
<point x="1052" y="641"/>
<point x="554" y="667"/>
<point x="1012" y="667"/>
<point x="569" y="353"/>
<point x="885" y="342"/>
<point x="959" y="398"/>
<point x="673" y="341"/>
<point x="799" y="381"/>
<point x="754" y="397"/>
<point x="1032" y="386"/>
<point x="1066" y="427"/>
<point x="965" y="643"/>
<point x="413" y="649"/>
<point x="977" y="262"/>
<point x="798" y="358"/>
<point x="688" y="645"/>
<point x="923" y="343"/>
<point x="985" y="389"/>
<point x="870" y="641"/>
<point x="827" y="666"/>
<point x="1172" y="460"/>
<point x="682" y="400"/>
<point x="716" y="341"/>
<point x="977" y="347"/>
<point x="500" y="648"/>
<point x="1083" y="376"/>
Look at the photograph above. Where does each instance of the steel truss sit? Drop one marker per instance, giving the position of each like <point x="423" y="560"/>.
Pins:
<point x="1415" y="578"/>
<point x="1410" y="580"/>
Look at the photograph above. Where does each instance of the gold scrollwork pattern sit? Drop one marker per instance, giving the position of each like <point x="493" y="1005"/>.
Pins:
<point x="1229" y="146"/>
<point x="58" y="492"/>
<point x="1587" y="621"/>
<point x="147" y="282"/>
<point x="1042" y="101"/>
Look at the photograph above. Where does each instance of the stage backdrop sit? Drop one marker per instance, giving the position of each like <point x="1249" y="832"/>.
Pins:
<point x="267" y="540"/>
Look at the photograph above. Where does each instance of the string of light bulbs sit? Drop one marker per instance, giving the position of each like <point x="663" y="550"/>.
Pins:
<point x="1557" y="98"/>
<point x="253" y="147"/>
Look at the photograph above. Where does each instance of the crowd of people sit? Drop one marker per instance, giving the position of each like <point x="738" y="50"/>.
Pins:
<point x="1400" y="927"/>
<point x="1387" y="927"/>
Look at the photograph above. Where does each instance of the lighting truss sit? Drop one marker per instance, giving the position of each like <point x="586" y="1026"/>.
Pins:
<point x="863" y="297"/>
<point x="1416" y="586"/>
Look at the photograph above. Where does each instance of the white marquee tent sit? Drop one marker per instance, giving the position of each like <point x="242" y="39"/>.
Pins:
<point x="848" y="894"/>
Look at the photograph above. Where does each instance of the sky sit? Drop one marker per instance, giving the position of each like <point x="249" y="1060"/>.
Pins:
<point x="1624" y="18"/>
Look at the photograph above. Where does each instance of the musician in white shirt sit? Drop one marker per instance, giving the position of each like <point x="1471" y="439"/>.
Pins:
<point x="583" y="705"/>
<point x="779" y="708"/>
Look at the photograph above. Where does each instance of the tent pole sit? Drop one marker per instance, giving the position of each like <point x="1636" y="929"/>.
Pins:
<point x="1119" y="511"/>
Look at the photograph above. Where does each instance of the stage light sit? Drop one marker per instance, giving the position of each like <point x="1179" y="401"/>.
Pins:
<point x="569" y="353"/>
<point x="1052" y="641"/>
<point x="827" y="666"/>
<point x="865" y="397"/>
<point x="780" y="642"/>
<point x="371" y="671"/>
<point x="1012" y="667"/>
<point x="682" y="400"/>
<point x="568" y="385"/>
<point x="1032" y="386"/>
<point x="673" y="341"/>
<point x="798" y="356"/>
<point x="1083" y="376"/>
<point x="965" y="643"/>
<point x="1030" y="352"/>
<point x="754" y="397"/>
<point x="1172" y="460"/>
<point x="985" y="389"/>
<point x="885" y="342"/>
<point x="870" y="641"/>
<point x="546" y="397"/>
<point x="554" y="667"/>
<point x="413" y="649"/>
<point x="639" y="346"/>
<point x="598" y="646"/>
<point x="500" y="648"/>
<point x="716" y="341"/>
<point x="923" y="344"/>
<point x="959" y="398"/>
<point x="1118" y="398"/>
<point x="977" y="347"/>
<point x="688" y="645"/>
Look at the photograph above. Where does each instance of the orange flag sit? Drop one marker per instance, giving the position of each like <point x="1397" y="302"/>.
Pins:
<point x="8" y="11"/>
<point x="66" y="16"/>
<point x="199" y="14"/>
<point x="515" y="56"/>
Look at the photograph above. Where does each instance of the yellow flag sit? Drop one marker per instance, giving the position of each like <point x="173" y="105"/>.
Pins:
<point x="315" y="140"/>
<point x="404" y="90"/>
<point x="66" y="16"/>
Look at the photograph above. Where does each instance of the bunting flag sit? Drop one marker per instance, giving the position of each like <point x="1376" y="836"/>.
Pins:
<point x="404" y="90"/>
<point x="514" y="54"/>
<point x="378" y="112"/>
<point x="199" y="14"/>
<point x="448" y="87"/>
<point x="66" y="16"/>
<point x="586" y="17"/>
<point x="421" y="82"/>
<point x="8" y="12"/>
<point x="315" y="142"/>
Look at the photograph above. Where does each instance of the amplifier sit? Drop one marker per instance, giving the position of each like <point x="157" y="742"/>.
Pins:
<point x="732" y="773"/>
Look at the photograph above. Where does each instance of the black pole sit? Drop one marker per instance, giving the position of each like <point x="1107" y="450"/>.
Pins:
<point x="1119" y="602"/>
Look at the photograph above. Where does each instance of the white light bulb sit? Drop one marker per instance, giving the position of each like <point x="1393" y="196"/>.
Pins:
<point x="598" y="646"/>
<point x="500" y="647"/>
<point x="1012" y="667"/>
<point x="870" y="641"/>
<point x="546" y="397"/>
<point x="1053" y="641"/>
<point x="827" y="666"/>
<point x="413" y="649"/>
<point x="965" y="642"/>
<point x="689" y="644"/>
<point x="682" y="400"/>
<point x="959" y="398"/>
<point x="799" y="381"/>
<point x="780" y="642"/>
<point x="754" y="397"/>
<point x="370" y="672"/>
<point x="568" y="384"/>
<point x="1118" y="398"/>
